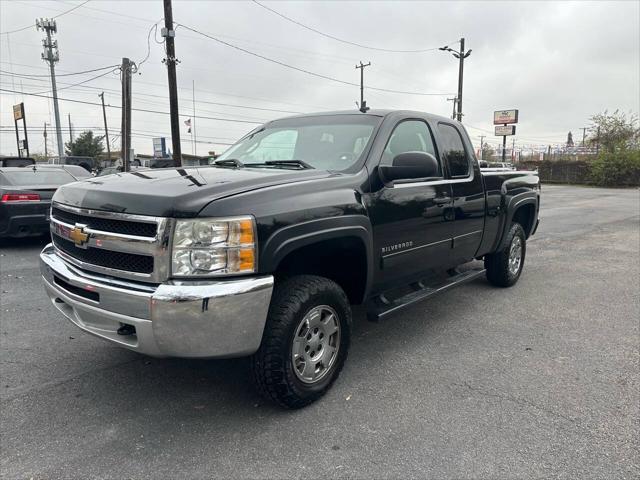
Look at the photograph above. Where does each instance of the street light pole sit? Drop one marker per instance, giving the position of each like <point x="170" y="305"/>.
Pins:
<point x="461" y="55"/>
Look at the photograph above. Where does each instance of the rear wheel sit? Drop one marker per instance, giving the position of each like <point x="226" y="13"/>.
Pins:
<point x="305" y="341"/>
<point x="505" y="266"/>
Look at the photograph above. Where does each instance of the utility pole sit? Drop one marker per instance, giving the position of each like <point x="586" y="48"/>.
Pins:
<point x="513" y="150"/>
<point x="461" y="55"/>
<point x="363" y="104"/>
<point x="584" y="134"/>
<point x="106" y="130"/>
<point x="598" y="141"/>
<point x="481" y="145"/>
<point x="504" y="147"/>
<point x="193" y="124"/>
<point x="49" y="26"/>
<point x="455" y="101"/>
<point x="126" y="114"/>
<point x="46" y="152"/>
<point x="169" y="34"/>
<point x="70" y="129"/>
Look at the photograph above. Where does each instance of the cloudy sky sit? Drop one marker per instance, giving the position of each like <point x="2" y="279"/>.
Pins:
<point x="557" y="62"/>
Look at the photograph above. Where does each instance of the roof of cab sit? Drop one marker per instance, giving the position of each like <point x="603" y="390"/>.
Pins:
<point x="375" y="113"/>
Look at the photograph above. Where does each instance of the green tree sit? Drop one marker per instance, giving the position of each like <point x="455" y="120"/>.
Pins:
<point x="86" y="145"/>
<point x="487" y="152"/>
<point x="618" y="137"/>
<point x="615" y="131"/>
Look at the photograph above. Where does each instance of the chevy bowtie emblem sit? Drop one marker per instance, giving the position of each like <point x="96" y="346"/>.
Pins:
<point x="78" y="235"/>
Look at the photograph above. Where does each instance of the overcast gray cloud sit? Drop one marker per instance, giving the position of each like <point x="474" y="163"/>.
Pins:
<point x="559" y="63"/>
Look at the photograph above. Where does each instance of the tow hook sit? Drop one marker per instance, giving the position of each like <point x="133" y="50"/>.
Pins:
<point x="126" y="329"/>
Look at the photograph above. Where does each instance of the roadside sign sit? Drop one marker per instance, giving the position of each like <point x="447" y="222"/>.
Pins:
<point x="160" y="147"/>
<point x="18" y="111"/>
<point x="503" y="117"/>
<point x="504" y="130"/>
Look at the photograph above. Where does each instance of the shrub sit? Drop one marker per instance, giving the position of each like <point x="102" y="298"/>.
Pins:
<point x="613" y="169"/>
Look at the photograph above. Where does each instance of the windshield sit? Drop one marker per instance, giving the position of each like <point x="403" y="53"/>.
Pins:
<point x="328" y="142"/>
<point x="30" y="177"/>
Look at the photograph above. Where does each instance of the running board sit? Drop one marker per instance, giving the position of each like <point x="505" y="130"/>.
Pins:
<point x="381" y="307"/>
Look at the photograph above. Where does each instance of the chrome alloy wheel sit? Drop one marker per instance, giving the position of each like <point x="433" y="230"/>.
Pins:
<point x="315" y="344"/>
<point x="515" y="255"/>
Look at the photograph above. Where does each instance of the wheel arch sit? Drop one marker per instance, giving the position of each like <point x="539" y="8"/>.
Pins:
<point x="523" y="208"/>
<point x="337" y="248"/>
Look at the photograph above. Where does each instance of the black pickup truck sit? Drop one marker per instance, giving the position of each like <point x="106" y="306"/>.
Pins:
<point x="263" y="253"/>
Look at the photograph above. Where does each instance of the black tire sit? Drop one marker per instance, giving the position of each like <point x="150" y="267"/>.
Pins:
<point x="272" y="364"/>
<point x="497" y="264"/>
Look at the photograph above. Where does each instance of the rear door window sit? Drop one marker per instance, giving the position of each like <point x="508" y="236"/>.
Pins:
<point x="29" y="177"/>
<point x="453" y="152"/>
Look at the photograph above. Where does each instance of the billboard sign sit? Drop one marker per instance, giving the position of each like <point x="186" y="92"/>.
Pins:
<point x="505" y="117"/>
<point x="505" y="130"/>
<point x="18" y="111"/>
<point x="160" y="147"/>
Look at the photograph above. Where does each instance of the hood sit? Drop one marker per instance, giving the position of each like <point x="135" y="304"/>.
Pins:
<point x="171" y="192"/>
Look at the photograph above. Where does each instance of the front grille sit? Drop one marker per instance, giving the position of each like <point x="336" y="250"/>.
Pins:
<point x="125" y="227"/>
<point x="127" y="262"/>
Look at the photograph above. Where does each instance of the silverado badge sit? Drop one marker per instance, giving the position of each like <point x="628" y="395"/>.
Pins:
<point x="79" y="237"/>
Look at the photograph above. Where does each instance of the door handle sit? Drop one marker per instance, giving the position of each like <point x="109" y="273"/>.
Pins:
<point x="441" y="200"/>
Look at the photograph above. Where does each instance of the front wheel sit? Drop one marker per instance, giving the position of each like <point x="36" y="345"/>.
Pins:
<point x="305" y="341"/>
<point x="505" y="266"/>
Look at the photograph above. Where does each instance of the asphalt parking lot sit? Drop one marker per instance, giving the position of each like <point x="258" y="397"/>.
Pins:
<point x="539" y="380"/>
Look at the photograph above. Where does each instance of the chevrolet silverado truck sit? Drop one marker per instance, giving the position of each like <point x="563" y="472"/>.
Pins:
<point x="263" y="253"/>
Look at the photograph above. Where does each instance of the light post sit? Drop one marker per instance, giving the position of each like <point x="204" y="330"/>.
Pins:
<point x="461" y="55"/>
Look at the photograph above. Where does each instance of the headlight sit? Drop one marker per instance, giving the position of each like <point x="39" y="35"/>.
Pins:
<point x="214" y="246"/>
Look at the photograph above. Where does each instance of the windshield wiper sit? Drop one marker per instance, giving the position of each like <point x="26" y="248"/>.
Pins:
<point x="282" y="163"/>
<point x="229" y="162"/>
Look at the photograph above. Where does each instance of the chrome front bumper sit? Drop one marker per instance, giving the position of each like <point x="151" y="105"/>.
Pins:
<point x="197" y="319"/>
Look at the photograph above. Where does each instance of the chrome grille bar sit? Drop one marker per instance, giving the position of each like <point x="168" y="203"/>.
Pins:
<point x="157" y="247"/>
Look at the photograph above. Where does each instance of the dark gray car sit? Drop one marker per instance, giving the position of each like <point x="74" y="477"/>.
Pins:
<point x="25" y="199"/>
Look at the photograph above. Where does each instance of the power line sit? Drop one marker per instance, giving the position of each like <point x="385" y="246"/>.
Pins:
<point x="308" y="72"/>
<point x="280" y="102"/>
<point x="139" y="100"/>
<point x="264" y="109"/>
<point x="34" y="75"/>
<point x="154" y="29"/>
<point x="80" y="83"/>
<point x="134" y="109"/>
<point x="56" y="16"/>
<point x="38" y="129"/>
<point x="289" y="19"/>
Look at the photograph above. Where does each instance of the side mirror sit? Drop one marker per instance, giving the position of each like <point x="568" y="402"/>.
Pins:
<point x="409" y="166"/>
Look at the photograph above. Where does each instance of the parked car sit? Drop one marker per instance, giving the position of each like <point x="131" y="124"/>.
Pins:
<point x="501" y="166"/>
<point x="25" y="199"/>
<point x="264" y="252"/>
<point x="78" y="172"/>
<point x="16" y="161"/>
<point x="90" y="164"/>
